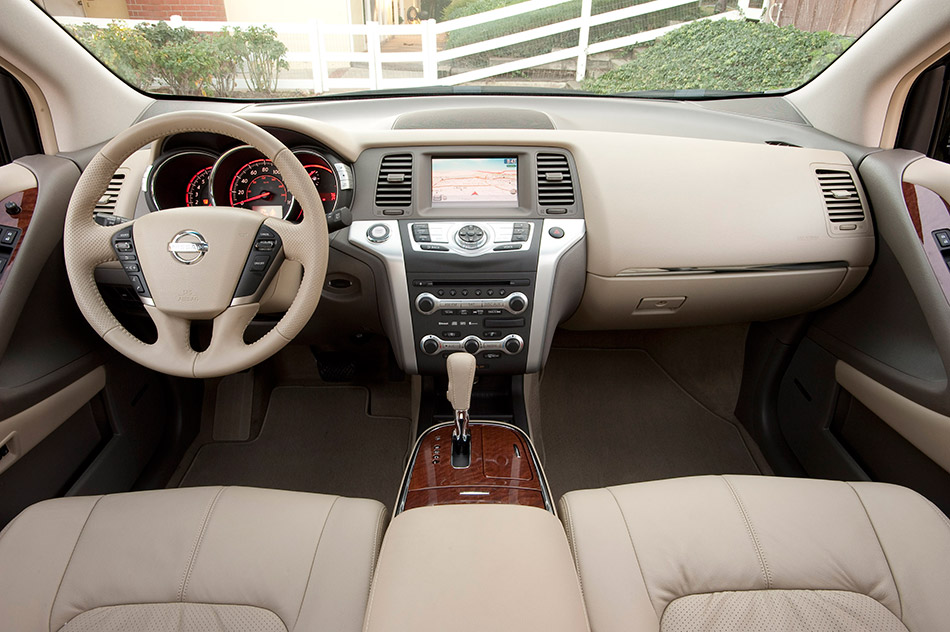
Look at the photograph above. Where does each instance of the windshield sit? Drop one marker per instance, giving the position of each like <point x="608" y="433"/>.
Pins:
<point x="301" y="48"/>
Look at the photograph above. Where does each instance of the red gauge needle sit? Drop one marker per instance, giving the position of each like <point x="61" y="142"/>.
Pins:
<point x="264" y="195"/>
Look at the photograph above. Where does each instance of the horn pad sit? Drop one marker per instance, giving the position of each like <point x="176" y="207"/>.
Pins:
<point x="192" y="258"/>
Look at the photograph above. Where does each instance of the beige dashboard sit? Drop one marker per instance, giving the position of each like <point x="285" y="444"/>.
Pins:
<point x="679" y="231"/>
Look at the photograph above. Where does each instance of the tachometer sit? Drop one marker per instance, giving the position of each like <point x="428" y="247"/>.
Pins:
<point x="198" y="192"/>
<point x="258" y="186"/>
<point x="321" y="172"/>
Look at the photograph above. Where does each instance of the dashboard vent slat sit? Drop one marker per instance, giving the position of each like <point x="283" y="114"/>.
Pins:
<point x="107" y="202"/>
<point x="841" y="197"/>
<point x="555" y="184"/>
<point x="394" y="182"/>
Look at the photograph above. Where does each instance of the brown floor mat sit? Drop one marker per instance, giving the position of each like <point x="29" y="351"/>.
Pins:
<point x="314" y="439"/>
<point x="615" y="416"/>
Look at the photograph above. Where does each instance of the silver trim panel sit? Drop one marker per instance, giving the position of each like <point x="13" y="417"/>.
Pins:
<point x="483" y="345"/>
<point x="497" y="233"/>
<point x="780" y="267"/>
<point x="471" y="303"/>
<point x="551" y="251"/>
<point x="390" y="252"/>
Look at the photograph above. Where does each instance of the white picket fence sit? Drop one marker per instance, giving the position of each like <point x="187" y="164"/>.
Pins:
<point x="320" y="57"/>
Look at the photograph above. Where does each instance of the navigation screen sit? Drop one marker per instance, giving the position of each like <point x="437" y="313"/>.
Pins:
<point x="475" y="181"/>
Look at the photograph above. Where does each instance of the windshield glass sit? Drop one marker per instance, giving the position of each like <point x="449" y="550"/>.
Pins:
<point x="300" y="48"/>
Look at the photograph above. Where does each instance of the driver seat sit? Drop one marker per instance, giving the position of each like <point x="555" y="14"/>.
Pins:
<point x="203" y="559"/>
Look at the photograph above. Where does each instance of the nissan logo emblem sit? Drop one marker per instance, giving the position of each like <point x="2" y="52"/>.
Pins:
<point x="188" y="247"/>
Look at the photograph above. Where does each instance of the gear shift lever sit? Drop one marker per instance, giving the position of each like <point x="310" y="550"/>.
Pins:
<point x="461" y="370"/>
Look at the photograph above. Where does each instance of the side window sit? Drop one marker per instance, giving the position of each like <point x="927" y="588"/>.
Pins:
<point x="19" y="134"/>
<point x="925" y="122"/>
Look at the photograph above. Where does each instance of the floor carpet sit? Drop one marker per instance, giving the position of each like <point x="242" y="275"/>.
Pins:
<point x="314" y="439"/>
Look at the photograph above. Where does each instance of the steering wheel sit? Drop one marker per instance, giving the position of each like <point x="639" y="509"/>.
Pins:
<point x="196" y="263"/>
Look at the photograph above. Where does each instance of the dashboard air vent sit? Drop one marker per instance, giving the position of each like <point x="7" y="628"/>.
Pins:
<point x="555" y="185"/>
<point x="106" y="203"/>
<point x="394" y="183"/>
<point x="841" y="196"/>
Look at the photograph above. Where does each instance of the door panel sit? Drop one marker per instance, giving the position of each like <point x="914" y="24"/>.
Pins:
<point x="867" y="395"/>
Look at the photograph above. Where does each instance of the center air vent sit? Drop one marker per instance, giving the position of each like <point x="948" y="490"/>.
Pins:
<point x="555" y="185"/>
<point x="106" y="203"/>
<point x="394" y="183"/>
<point x="841" y="197"/>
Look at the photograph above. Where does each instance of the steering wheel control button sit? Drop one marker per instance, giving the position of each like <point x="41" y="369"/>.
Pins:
<point x="259" y="265"/>
<point x="556" y="231"/>
<point x="124" y="246"/>
<point x="378" y="233"/>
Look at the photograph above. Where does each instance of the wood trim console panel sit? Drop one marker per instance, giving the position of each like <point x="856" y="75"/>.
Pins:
<point x="930" y="215"/>
<point x="504" y="470"/>
<point x="26" y="201"/>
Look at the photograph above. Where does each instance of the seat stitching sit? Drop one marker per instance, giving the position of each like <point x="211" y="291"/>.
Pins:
<point x="313" y="561"/>
<point x="900" y="602"/>
<point x="71" y="554"/>
<point x="766" y="573"/>
<point x="199" y="537"/>
<point x="646" y="586"/>
<point x="569" y="527"/>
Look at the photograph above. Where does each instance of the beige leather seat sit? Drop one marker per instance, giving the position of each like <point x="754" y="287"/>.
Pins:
<point x="763" y="554"/>
<point x="205" y="559"/>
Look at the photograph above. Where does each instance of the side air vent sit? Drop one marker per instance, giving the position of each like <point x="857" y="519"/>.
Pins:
<point x="555" y="185"/>
<point x="394" y="183"/>
<point x="106" y="203"/>
<point x="840" y="193"/>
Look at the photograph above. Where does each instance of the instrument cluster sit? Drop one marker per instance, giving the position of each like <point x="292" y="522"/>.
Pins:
<point x="243" y="177"/>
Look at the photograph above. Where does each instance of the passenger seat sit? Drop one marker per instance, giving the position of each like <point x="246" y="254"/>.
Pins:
<point x="205" y="559"/>
<point x="763" y="554"/>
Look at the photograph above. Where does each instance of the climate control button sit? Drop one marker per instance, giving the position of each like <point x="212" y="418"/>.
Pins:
<point x="472" y="345"/>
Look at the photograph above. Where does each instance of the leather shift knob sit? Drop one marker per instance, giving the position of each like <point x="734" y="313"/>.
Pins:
<point x="461" y="369"/>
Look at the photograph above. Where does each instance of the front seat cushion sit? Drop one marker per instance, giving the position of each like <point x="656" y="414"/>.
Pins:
<point x="744" y="553"/>
<point x="209" y="559"/>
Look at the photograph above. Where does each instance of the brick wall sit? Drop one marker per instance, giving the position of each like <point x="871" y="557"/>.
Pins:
<point x="206" y="10"/>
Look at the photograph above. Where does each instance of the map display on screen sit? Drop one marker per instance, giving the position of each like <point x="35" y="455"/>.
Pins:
<point x="475" y="181"/>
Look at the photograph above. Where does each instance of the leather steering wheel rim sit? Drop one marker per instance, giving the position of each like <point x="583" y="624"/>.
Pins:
<point x="88" y="244"/>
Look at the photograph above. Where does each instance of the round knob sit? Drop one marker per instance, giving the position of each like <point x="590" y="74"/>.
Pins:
<point x="472" y="345"/>
<point x="430" y="346"/>
<point x="513" y="345"/>
<point x="470" y="237"/>
<point x="425" y="303"/>
<point x="517" y="303"/>
<point x="12" y="208"/>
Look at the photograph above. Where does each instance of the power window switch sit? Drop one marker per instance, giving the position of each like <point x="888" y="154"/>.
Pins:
<point x="8" y="236"/>
<point x="943" y="238"/>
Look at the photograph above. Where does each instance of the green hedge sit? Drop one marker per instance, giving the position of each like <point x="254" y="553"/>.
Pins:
<point x="559" y="13"/>
<point x="725" y="55"/>
<point x="185" y="61"/>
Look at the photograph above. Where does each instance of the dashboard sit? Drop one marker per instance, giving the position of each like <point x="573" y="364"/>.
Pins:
<point x="488" y="239"/>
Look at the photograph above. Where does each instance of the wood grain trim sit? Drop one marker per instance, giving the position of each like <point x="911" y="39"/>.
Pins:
<point x="26" y="200"/>
<point x="504" y="470"/>
<point x="929" y="212"/>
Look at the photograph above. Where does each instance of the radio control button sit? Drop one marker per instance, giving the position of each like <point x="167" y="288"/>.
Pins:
<point x="426" y="303"/>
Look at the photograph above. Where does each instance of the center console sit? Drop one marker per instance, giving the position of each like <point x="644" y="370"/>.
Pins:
<point x="483" y="248"/>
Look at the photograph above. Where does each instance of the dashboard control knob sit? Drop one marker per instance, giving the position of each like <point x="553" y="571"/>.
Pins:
<point x="513" y="344"/>
<point x="430" y="345"/>
<point x="378" y="233"/>
<point x="425" y="303"/>
<point x="472" y="345"/>
<point x="517" y="302"/>
<point x="471" y="237"/>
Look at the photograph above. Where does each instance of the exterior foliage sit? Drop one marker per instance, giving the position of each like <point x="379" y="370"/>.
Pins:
<point x="725" y="55"/>
<point x="187" y="62"/>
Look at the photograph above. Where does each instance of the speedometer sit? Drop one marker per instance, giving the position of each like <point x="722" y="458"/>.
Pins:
<point x="258" y="186"/>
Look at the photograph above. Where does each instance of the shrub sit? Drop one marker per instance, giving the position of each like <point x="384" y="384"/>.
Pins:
<point x="186" y="61"/>
<point x="725" y="55"/>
